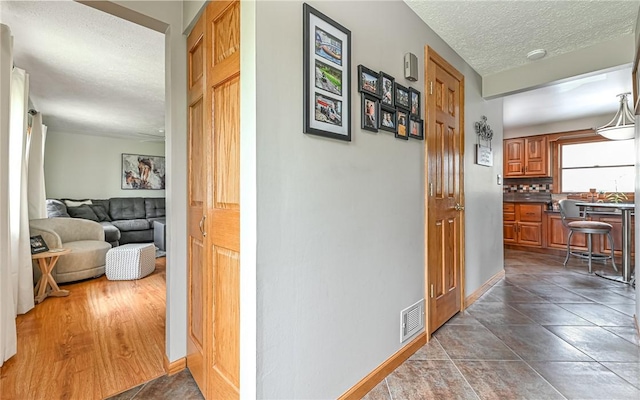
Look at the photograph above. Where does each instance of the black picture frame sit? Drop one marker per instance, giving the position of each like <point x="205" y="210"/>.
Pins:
<point x="387" y="97"/>
<point x="370" y="113"/>
<point x="401" y="96"/>
<point x="402" y="124"/>
<point x="416" y="128"/>
<point x="369" y="81"/>
<point x="327" y="76"/>
<point x="414" y="103"/>
<point x="391" y="125"/>
<point x="38" y="245"/>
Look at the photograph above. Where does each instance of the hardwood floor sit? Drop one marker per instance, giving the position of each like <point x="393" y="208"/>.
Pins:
<point x="105" y="338"/>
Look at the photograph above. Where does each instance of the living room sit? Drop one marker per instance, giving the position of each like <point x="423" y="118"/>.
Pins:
<point x="101" y="120"/>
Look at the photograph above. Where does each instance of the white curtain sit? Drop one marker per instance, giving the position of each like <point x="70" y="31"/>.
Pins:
<point x="36" y="191"/>
<point x="16" y="275"/>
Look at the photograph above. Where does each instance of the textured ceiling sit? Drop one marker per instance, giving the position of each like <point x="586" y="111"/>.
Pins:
<point x="494" y="36"/>
<point x="90" y="72"/>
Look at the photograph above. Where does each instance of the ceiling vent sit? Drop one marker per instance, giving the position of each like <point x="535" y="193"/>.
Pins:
<point x="411" y="320"/>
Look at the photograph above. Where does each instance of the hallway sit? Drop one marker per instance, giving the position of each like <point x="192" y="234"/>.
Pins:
<point x="542" y="332"/>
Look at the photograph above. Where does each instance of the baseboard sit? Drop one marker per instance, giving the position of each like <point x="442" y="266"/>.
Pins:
<point x="175" y="366"/>
<point x="377" y="375"/>
<point x="482" y="289"/>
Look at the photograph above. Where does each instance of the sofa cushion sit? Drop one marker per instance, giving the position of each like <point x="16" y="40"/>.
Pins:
<point x="56" y="208"/>
<point x="131" y="224"/>
<point x="121" y="208"/>
<point x="159" y="219"/>
<point x="101" y="212"/>
<point x="84" y="212"/>
<point x="154" y="207"/>
<point x="111" y="233"/>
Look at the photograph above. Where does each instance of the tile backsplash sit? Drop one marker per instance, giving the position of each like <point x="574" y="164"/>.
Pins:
<point x="527" y="185"/>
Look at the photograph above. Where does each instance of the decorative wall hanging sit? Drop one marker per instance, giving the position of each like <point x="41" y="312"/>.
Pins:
<point x="142" y="172"/>
<point x="416" y="128"/>
<point x="484" y="152"/>
<point x="387" y="119"/>
<point x="327" y="76"/>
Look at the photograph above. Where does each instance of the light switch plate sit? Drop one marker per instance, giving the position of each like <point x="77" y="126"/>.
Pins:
<point x="499" y="179"/>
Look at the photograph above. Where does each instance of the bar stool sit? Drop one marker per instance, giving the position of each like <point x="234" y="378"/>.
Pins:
<point x="575" y="221"/>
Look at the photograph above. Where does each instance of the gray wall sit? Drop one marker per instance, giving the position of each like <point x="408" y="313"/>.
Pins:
<point x="82" y="166"/>
<point x="340" y="225"/>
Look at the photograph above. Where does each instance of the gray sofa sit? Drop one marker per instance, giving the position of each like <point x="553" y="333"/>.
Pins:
<point x="123" y="219"/>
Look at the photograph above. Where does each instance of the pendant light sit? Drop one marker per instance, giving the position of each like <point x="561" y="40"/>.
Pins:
<point x="622" y="126"/>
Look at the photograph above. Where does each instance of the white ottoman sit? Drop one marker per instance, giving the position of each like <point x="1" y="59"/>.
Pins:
<point x="130" y="261"/>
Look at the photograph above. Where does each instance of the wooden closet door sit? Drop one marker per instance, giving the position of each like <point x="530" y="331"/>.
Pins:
<point x="214" y="201"/>
<point x="223" y="215"/>
<point x="196" y="203"/>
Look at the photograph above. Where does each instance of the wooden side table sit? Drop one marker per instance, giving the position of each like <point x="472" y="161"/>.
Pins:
<point x="46" y="262"/>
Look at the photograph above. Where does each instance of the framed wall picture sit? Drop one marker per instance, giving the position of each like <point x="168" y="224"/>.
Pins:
<point x="369" y="81"/>
<point x="403" y="124"/>
<point x="370" y="116"/>
<point x="386" y="87"/>
<point x="327" y="76"/>
<point x="387" y="119"/>
<point x="416" y="128"/>
<point x="142" y="172"/>
<point x="414" y="102"/>
<point x="401" y="96"/>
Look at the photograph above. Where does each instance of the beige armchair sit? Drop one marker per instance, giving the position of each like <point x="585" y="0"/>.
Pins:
<point x="85" y="239"/>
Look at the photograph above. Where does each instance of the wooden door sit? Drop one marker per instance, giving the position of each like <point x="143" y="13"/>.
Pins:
<point x="196" y="203"/>
<point x="536" y="160"/>
<point x="222" y="40"/>
<point x="513" y="157"/>
<point x="214" y="201"/>
<point x="444" y="189"/>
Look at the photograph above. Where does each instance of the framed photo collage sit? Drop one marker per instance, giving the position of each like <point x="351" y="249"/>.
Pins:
<point x="389" y="106"/>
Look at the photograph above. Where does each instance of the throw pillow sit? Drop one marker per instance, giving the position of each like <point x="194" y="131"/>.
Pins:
<point x="56" y="208"/>
<point x="78" y="203"/>
<point x="84" y="212"/>
<point x="101" y="212"/>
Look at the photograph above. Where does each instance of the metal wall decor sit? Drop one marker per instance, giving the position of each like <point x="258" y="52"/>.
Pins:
<point x="484" y="152"/>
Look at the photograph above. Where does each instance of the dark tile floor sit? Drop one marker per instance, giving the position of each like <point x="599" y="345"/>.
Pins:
<point x="179" y="386"/>
<point x="542" y="332"/>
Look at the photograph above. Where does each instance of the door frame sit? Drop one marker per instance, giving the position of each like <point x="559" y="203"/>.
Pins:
<point x="430" y="56"/>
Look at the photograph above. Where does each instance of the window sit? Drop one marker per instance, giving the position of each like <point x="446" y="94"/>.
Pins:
<point x="607" y="166"/>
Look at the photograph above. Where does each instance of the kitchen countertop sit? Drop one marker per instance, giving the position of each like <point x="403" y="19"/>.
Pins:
<point x="526" y="197"/>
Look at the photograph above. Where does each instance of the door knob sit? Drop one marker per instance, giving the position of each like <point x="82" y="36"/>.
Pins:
<point x="458" y="207"/>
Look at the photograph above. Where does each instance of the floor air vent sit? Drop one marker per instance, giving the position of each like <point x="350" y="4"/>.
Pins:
<point x="411" y="320"/>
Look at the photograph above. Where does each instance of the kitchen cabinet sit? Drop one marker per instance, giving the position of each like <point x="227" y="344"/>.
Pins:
<point x="557" y="234"/>
<point x="526" y="157"/>
<point x="523" y="224"/>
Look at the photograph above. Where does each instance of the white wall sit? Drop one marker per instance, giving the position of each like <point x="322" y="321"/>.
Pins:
<point x="81" y="166"/>
<point x="340" y="225"/>
<point x="558" y="126"/>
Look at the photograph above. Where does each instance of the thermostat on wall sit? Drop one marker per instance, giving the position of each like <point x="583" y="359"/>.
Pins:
<point x="411" y="67"/>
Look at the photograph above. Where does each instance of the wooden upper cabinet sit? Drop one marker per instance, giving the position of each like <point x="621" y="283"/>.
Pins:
<point x="513" y="157"/>
<point x="526" y="157"/>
